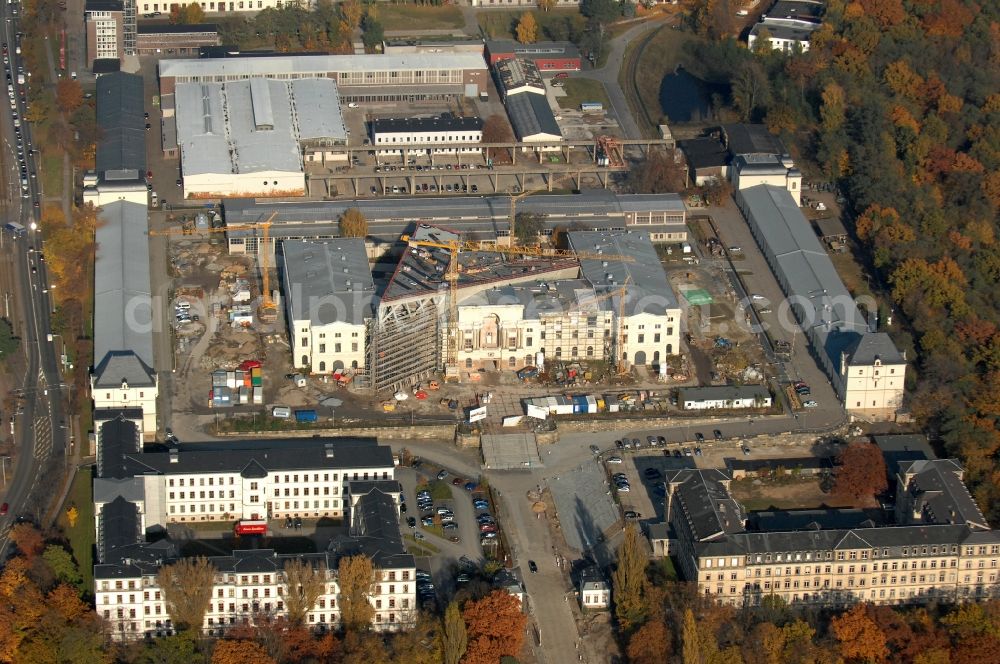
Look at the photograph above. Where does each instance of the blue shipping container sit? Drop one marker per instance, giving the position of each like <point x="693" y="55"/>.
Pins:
<point x="305" y="416"/>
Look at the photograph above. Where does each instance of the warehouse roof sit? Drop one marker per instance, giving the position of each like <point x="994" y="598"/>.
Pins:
<point x="122" y="142"/>
<point x="542" y="297"/>
<point x="443" y="122"/>
<point x="328" y="281"/>
<point x="517" y="73"/>
<point x="814" y="286"/>
<point x="537" y="50"/>
<point x="264" y="455"/>
<point x="390" y="217"/>
<point x="123" y="312"/>
<point x="254" y="125"/>
<point x="704" y="152"/>
<point x="723" y="393"/>
<point x="798" y="10"/>
<point x="306" y="64"/>
<point x="648" y="290"/>
<point x="780" y="31"/>
<point x="531" y="116"/>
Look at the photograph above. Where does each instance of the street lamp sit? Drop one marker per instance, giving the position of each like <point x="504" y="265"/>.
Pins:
<point x="33" y="226"/>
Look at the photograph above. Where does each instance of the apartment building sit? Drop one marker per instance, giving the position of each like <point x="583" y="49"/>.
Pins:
<point x="104" y="21"/>
<point x="330" y="296"/>
<point x="248" y="584"/>
<point x="941" y="554"/>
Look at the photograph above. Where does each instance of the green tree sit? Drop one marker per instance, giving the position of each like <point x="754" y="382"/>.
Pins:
<point x="352" y="223"/>
<point x="373" y="31"/>
<point x="62" y="565"/>
<point x="604" y="11"/>
<point x="8" y="342"/>
<point x="455" y="636"/>
<point x="176" y="649"/>
<point x="627" y="581"/>
<point x="527" y="226"/>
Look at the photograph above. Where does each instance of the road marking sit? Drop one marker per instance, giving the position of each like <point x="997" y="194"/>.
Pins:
<point x="43" y="438"/>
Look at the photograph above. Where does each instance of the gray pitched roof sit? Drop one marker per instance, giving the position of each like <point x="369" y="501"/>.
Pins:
<point x="874" y="346"/>
<point x="443" y="122"/>
<point x="531" y="115"/>
<point x="123" y="313"/>
<point x="118" y="437"/>
<point x="709" y="510"/>
<point x="122" y="142"/>
<point x="119" y="527"/>
<point x="939" y="494"/>
<point x="751" y="139"/>
<point x="723" y="392"/>
<point x="328" y="281"/>
<point x="648" y="289"/>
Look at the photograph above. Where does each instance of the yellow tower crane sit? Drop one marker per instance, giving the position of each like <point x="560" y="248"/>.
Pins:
<point x="268" y="312"/>
<point x="455" y="247"/>
<point x="618" y="341"/>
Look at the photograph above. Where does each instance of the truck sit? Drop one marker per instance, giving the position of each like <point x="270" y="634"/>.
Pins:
<point x="15" y="228"/>
<point x="305" y="416"/>
<point x="251" y="527"/>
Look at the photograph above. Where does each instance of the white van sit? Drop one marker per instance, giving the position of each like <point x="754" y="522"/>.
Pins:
<point x="154" y="200"/>
<point x="281" y="411"/>
<point x="183" y="305"/>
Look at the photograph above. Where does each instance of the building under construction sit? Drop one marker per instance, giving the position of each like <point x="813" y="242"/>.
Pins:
<point x="411" y="333"/>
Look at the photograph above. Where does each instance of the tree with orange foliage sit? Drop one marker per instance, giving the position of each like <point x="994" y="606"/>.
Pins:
<point x="69" y="95"/>
<point x="240" y="652"/>
<point x="651" y="644"/>
<point x="860" y="638"/>
<point x="29" y="540"/>
<point x="860" y="472"/>
<point x="495" y="626"/>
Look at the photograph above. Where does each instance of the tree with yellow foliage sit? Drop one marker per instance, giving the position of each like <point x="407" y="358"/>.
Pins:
<point x="527" y="29"/>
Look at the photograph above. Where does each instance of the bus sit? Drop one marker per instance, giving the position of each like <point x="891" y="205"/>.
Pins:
<point x="592" y="107"/>
<point x="15" y="228"/>
<point x="251" y="527"/>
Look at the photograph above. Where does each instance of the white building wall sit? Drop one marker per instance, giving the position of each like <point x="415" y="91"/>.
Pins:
<point x="135" y="606"/>
<point x="394" y="141"/>
<point x="790" y="182"/>
<point x="130" y="397"/>
<point x="875" y="387"/>
<point x="322" y="349"/>
<point x="228" y="7"/>
<point x="650" y="338"/>
<point x="263" y="183"/>
<point x="709" y="404"/>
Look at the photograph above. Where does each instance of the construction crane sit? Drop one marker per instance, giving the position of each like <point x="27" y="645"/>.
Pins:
<point x="268" y="312"/>
<point x="618" y="341"/>
<point x="455" y="247"/>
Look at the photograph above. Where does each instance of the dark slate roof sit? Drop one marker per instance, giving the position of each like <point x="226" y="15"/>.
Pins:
<point x="122" y="144"/>
<point x="119" y="437"/>
<point x="443" y="122"/>
<point x="118" y="366"/>
<point x="120" y="527"/>
<point x="903" y="447"/>
<point x="751" y="139"/>
<point x="709" y="509"/>
<point x="535" y="51"/>
<point x="939" y="495"/>
<point x="872" y="346"/>
<point x="271" y="455"/>
<point x="105" y="414"/>
<point x="362" y="487"/>
<point x="106" y="66"/>
<point x="788" y="463"/>
<point x="103" y="6"/>
<point x="704" y="152"/>
<point x="724" y="393"/>
<point x="530" y="115"/>
<point x="160" y="28"/>
<point x="817" y="519"/>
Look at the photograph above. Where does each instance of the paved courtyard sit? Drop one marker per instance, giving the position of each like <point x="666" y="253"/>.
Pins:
<point x="584" y="504"/>
<point x="510" y="451"/>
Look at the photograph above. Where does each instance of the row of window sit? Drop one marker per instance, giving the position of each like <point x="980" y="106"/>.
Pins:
<point x="429" y="139"/>
<point x="276" y="478"/>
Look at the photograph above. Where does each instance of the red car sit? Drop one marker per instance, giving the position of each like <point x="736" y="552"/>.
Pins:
<point x="3" y="509"/>
<point x="561" y="74"/>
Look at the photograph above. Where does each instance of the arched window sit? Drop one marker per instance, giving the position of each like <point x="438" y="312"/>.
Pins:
<point x="573" y="352"/>
<point x="305" y="360"/>
<point x="512" y="362"/>
<point x="590" y="351"/>
<point x="558" y="351"/>
<point x="322" y="367"/>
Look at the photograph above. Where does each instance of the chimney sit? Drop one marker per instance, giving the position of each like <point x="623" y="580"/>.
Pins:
<point x="328" y="448"/>
<point x="174" y="455"/>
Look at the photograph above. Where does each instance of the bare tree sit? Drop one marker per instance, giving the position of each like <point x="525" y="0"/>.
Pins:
<point x="303" y="586"/>
<point x="356" y="577"/>
<point x="497" y="130"/>
<point x="353" y="223"/>
<point x="187" y="590"/>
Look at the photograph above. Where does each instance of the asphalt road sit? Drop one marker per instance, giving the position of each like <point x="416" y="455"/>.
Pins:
<point x="40" y="433"/>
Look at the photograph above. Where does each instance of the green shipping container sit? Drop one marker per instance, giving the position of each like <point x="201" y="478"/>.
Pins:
<point x="256" y="380"/>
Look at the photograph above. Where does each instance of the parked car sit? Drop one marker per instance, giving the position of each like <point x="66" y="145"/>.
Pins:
<point x="810" y="404"/>
<point x="594" y="449"/>
<point x="652" y="474"/>
<point x="614" y="459"/>
<point x="623" y="488"/>
<point x="443" y="474"/>
<point x="717" y="434"/>
<point x="411" y="522"/>
<point x="533" y="567"/>
<point x="699" y="437"/>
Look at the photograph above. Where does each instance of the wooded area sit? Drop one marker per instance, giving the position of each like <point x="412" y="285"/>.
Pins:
<point x="898" y="101"/>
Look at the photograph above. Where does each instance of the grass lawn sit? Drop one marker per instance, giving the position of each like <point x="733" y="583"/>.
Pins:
<point x="421" y="547"/>
<point x="784" y="493"/>
<point x="501" y="24"/>
<point x="81" y="536"/>
<point x="415" y="17"/>
<point x="655" y="59"/>
<point x="579" y="90"/>
<point x="52" y="175"/>
<point x="440" y="489"/>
